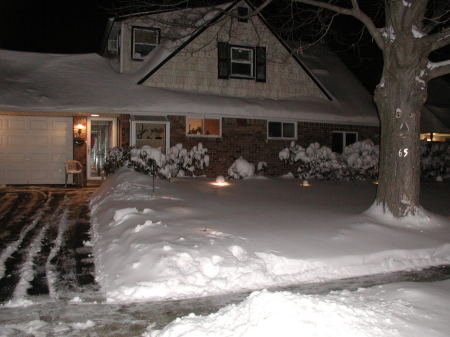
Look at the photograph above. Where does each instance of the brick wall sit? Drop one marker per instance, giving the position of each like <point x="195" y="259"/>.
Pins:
<point x="124" y="130"/>
<point x="248" y="138"/>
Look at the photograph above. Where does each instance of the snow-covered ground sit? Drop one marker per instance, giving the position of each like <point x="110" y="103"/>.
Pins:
<point x="192" y="238"/>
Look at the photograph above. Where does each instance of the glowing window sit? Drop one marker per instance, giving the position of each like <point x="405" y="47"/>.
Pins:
<point x="210" y="127"/>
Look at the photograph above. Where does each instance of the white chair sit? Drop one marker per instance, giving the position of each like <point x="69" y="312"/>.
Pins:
<point x="74" y="167"/>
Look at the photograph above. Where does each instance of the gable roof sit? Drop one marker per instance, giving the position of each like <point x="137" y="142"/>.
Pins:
<point x="167" y="50"/>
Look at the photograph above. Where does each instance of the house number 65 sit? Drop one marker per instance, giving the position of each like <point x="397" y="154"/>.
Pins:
<point x="403" y="153"/>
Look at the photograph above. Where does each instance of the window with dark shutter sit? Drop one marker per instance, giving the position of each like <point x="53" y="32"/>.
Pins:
<point x="260" y="64"/>
<point x="223" y="60"/>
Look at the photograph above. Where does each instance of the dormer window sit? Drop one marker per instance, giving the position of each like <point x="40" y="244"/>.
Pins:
<point x="242" y="62"/>
<point x="144" y="41"/>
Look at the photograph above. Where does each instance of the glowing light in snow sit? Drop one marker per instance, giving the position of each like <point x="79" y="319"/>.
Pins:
<point x="305" y="183"/>
<point x="220" y="181"/>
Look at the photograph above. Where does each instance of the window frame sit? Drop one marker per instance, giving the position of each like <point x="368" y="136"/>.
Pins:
<point x="133" y="41"/>
<point x="203" y="126"/>
<point x="252" y="62"/>
<point x="282" y="136"/>
<point x="344" y="139"/>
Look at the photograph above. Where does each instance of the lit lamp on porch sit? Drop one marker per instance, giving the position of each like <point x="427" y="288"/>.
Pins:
<point x="220" y="181"/>
<point x="77" y="135"/>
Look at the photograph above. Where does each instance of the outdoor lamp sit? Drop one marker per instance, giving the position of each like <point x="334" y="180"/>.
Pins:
<point x="77" y="136"/>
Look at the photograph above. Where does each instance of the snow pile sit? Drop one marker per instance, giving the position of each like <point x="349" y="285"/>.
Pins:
<point x="436" y="160"/>
<point x="241" y="168"/>
<point x="377" y="312"/>
<point x="192" y="238"/>
<point x="149" y="160"/>
<point x="359" y="161"/>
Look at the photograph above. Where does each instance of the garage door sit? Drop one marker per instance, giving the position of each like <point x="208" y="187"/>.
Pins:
<point x="33" y="149"/>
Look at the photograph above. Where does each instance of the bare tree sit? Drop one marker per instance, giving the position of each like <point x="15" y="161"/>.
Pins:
<point x="413" y="29"/>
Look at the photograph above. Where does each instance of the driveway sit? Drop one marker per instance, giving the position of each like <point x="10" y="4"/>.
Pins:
<point x="45" y="242"/>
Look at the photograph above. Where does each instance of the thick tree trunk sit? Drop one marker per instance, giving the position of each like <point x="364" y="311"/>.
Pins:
<point x="400" y="97"/>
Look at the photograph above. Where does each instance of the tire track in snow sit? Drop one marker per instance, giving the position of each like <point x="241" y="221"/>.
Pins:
<point x="40" y="284"/>
<point x="50" y="263"/>
<point x="26" y="209"/>
<point x="74" y="264"/>
<point x="17" y="265"/>
<point x="17" y="207"/>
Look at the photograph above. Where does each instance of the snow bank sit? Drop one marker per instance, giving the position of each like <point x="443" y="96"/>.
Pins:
<point x="410" y="310"/>
<point x="191" y="238"/>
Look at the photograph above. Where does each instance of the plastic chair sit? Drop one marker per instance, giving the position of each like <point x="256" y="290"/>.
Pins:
<point x="74" y="167"/>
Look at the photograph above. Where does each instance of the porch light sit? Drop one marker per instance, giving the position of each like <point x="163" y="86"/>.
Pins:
<point x="95" y="115"/>
<point x="79" y="127"/>
<point x="305" y="183"/>
<point x="77" y="136"/>
<point x="220" y="181"/>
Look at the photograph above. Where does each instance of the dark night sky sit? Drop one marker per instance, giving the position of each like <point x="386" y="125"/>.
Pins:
<point x="51" y="25"/>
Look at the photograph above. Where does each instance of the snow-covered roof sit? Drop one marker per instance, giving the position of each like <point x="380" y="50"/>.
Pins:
<point x="338" y="80"/>
<point x="34" y="82"/>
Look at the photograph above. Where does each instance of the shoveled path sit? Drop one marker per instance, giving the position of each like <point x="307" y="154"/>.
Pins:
<point x="45" y="242"/>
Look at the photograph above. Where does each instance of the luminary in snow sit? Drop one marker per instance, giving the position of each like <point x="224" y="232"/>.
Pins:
<point x="220" y="181"/>
<point x="305" y="183"/>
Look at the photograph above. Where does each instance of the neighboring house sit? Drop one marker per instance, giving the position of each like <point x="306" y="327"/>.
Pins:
<point x="232" y="85"/>
<point x="435" y="122"/>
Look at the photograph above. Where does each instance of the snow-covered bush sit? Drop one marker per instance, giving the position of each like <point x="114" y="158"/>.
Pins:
<point x="181" y="162"/>
<point x="435" y="160"/>
<point x="116" y="158"/>
<point x="150" y="160"/>
<point x="241" y="168"/>
<point x="318" y="162"/>
<point x="360" y="161"/>
<point x="261" y="168"/>
<point x="314" y="162"/>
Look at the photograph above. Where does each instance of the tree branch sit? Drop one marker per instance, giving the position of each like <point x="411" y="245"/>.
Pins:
<point x="437" y="69"/>
<point x="439" y="40"/>
<point x="355" y="11"/>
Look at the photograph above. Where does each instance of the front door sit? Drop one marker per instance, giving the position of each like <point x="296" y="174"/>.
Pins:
<point x="102" y="136"/>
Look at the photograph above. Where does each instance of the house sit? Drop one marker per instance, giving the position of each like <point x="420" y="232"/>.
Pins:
<point x="217" y="77"/>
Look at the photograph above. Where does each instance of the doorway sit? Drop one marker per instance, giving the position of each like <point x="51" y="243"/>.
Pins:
<point x="102" y="136"/>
